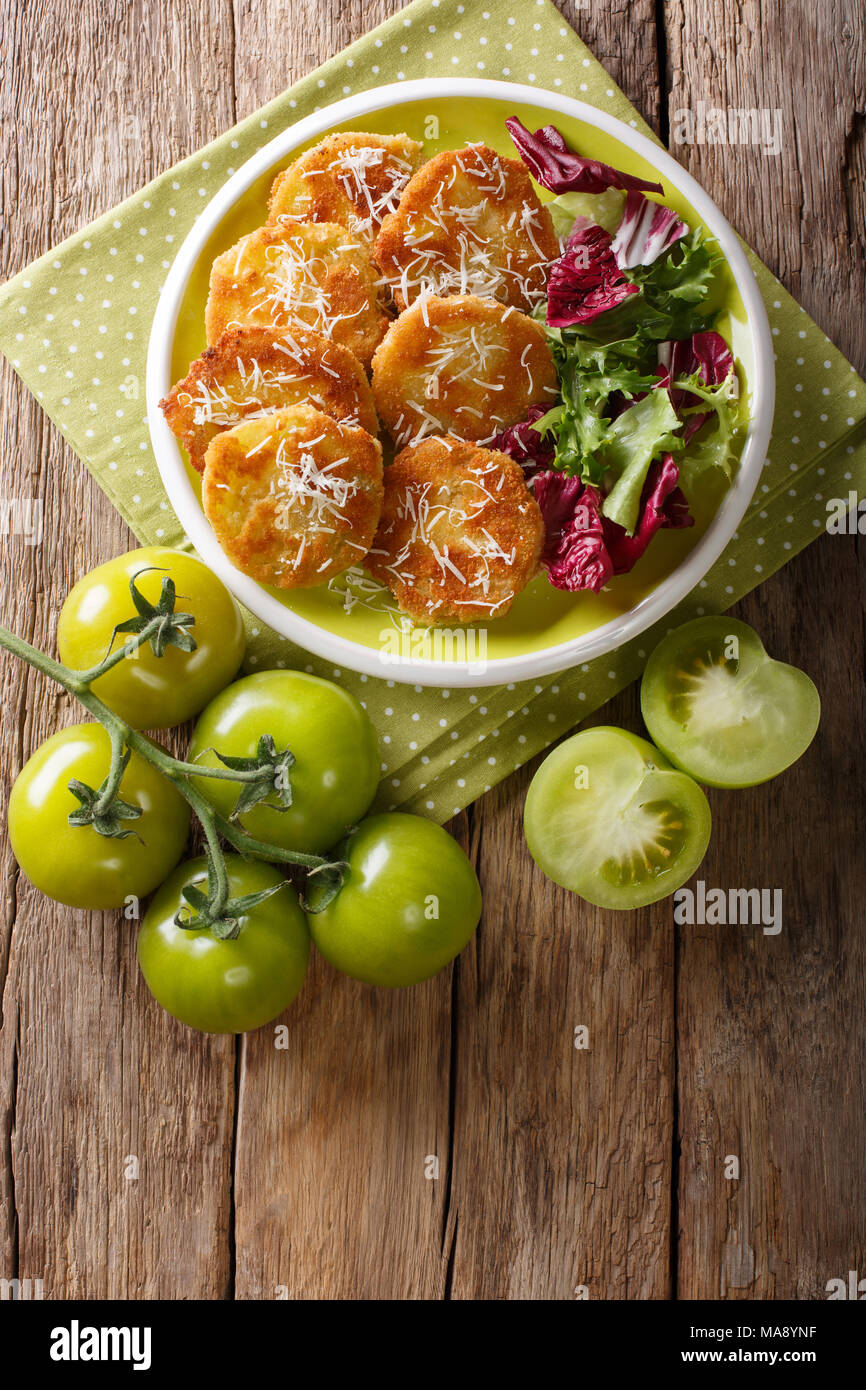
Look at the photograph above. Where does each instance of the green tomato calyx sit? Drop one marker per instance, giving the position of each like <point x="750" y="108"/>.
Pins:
<point x="273" y="779"/>
<point x="158" y="623"/>
<point x="222" y="919"/>
<point x="101" y="807"/>
<point x="329" y="877"/>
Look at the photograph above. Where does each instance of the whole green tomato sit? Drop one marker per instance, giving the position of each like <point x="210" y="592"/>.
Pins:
<point x="336" y="768"/>
<point x="149" y="691"/>
<point x="74" y="864"/>
<point x="225" y="986"/>
<point x="408" y="906"/>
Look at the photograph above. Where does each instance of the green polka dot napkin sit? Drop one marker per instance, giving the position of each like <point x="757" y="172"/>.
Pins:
<point x="75" y="325"/>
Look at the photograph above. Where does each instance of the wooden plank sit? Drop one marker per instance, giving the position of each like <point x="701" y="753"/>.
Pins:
<point x="624" y="37"/>
<point x="562" y="1156"/>
<point x="338" y="1130"/>
<point x="93" y="1074"/>
<point x="331" y="1197"/>
<point x="335" y="1130"/>
<point x="770" y="1027"/>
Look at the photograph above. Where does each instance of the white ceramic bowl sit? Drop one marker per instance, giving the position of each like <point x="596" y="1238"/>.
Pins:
<point x="339" y="650"/>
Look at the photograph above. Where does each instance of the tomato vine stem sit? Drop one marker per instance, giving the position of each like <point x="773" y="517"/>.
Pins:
<point x="124" y="739"/>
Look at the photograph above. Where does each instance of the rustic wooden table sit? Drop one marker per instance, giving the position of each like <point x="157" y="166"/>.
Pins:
<point x="140" y="1160"/>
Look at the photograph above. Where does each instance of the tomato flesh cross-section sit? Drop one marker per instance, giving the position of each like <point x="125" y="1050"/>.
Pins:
<point x="608" y="817"/>
<point x="723" y="710"/>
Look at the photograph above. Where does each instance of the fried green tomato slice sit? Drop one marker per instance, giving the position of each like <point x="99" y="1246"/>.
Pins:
<point x="463" y="366"/>
<point x="354" y="178"/>
<point x="253" y="371"/>
<point x="294" y="497"/>
<point x="313" y="273"/>
<point x="460" y="534"/>
<point x="469" y="222"/>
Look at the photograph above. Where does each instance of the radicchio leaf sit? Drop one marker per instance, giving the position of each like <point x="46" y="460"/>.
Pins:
<point x="646" y="230"/>
<point x="586" y="280"/>
<point x="557" y="495"/>
<point x="575" y="553"/>
<point x="704" y="353"/>
<point x="584" y="549"/>
<point x="555" y="166"/>
<point x="662" y="505"/>
<point x="527" y="445"/>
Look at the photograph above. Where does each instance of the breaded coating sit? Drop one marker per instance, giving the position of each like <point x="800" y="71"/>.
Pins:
<point x="461" y="366"/>
<point x="469" y="222"/>
<point x="253" y="371"/>
<point x="313" y="273"/>
<point x="353" y="178"/>
<point x="293" y="497"/>
<point x="460" y="535"/>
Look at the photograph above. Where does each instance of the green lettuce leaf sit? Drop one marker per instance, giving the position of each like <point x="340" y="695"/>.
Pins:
<point x="616" y="356"/>
<point x="675" y="287"/>
<point x="713" y="446"/>
<point x="603" y="208"/>
<point x="590" y="374"/>
<point x="672" y="301"/>
<point x="640" y="434"/>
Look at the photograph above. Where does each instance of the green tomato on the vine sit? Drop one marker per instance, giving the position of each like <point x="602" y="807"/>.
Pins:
<point x="75" y="864"/>
<point x="226" y="985"/>
<point x="409" y="904"/>
<point x="336" y="768"/>
<point x="146" y="690"/>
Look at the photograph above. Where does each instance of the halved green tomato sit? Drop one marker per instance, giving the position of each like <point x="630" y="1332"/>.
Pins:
<point x="608" y="817"/>
<point x="722" y="709"/>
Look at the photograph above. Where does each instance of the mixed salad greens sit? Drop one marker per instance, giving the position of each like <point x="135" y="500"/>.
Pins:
<point x="648" y="387"/>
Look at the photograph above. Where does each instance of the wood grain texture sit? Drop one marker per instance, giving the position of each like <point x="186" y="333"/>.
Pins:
<point x="561" y="1181"/>
<point x="342" y="1146"/>
<point x="336" y="1131"/>
<point x="770" y="1028"/>
<point x="624" y="35"/>
<point x="306" y="1170"/>
<point x="94" y="1075"/>
<point x="554" y="1170"/>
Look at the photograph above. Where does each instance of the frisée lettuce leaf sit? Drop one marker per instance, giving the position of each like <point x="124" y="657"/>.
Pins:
<point x="592" y="375"/>
<point x="673" y="290"/>
<point x="712" y="446"/>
